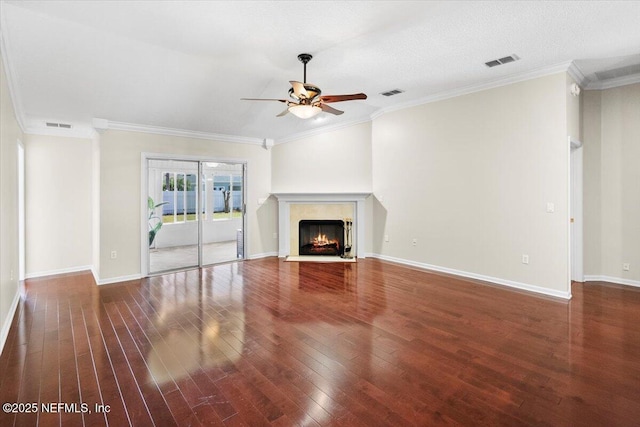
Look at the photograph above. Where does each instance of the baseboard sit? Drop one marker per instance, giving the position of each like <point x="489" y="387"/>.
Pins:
<point x="493" y="280"/>
<point x="610" y="279"/>
<point x="263" y="255"/>
<point x="119" y="279"/>
<point x="4" y="333"/>
<point x="60" y="271"/>
<point x="96" y="277"/>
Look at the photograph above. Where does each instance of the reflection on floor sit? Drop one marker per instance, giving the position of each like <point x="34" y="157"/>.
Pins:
<point x="273" y="343"/>
<point x="187" y="256"/>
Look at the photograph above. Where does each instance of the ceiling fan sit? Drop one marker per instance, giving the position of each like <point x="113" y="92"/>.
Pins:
<point x="306" y="100"/>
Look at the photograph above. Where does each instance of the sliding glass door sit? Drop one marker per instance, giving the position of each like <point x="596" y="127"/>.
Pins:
<point x="223" y="212"/>
<point x="195" y="213"/>
<point x="173" y="220"/>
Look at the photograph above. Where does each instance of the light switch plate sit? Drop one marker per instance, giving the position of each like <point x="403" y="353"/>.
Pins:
<point x="551" y="208"/>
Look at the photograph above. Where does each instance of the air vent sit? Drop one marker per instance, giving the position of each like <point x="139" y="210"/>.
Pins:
<point x="391" y="92"/>
<point x="501" y="61"/>
<point x="59" y="125"/>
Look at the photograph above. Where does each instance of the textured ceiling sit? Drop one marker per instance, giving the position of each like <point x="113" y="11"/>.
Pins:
<point x="185" y="65"/>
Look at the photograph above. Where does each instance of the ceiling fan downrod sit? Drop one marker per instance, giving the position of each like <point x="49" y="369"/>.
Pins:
<point x="304" y="58"/>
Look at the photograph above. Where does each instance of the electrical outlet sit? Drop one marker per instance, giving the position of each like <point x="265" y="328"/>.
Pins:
<point x="525" y="259"/>
<point x="11" y="274"/>
<point x="414" y="242"/>
<point x="386" y="237"/>
<point x="275" y="235"/>
<point x="114" y="254"/>
<point x="626" y="266"/>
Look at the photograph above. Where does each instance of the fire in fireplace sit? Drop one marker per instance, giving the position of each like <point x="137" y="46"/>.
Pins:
<point x="321" y="237"/>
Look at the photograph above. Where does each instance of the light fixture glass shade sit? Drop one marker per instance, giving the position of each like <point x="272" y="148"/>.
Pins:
<point x="304" y="111"/>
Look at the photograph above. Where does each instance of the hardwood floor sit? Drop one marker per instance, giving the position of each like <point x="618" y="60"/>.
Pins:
<point x="268" y="342"/>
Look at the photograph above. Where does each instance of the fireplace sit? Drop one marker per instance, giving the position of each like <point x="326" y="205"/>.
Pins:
<point x="321" y="237"/>
<point x="293" y="207"/>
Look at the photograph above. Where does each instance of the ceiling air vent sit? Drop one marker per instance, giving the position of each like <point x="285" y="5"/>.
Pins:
<point x="59" y="125"/>
<point x="391" y="92"/>
<point x="501" y="61"/>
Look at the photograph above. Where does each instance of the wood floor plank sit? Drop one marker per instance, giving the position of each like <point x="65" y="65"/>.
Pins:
<point x="268" y="342"/>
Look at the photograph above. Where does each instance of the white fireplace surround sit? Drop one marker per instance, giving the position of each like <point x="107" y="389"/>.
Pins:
<point x="285" y="200"/>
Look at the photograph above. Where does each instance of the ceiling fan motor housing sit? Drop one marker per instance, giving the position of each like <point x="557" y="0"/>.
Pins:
<point x="312" y="93"/>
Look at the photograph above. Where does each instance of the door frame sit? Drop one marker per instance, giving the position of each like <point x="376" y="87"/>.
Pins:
<point x="144" y="186"/>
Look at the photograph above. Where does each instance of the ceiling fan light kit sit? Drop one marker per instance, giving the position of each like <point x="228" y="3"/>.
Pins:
<point x="304" y="111"/>
<point x="306" y="100"/>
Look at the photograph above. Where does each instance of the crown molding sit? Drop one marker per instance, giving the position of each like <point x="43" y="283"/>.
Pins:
<point x="465" y="90"/>
<point x="613" y="83"/>
<point x="576" y="73"/>
<point x="103" y="124"/>
<point x="10" y="74"/>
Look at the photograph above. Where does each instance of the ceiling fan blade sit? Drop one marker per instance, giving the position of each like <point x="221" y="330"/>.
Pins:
<point x="284" y="113"/>
<point x="263" y="99"/>
<point x="331" y="110"/>
<point x="339" y="98"/>
<point x="298" y="90"/>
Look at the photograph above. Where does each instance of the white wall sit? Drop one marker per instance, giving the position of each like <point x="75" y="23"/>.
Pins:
<point x="612" y="194"/>
<point x="120" y="200"/>
<point x="10" y="133"/>
<point x="470" y="178"/>
<point x="337" y="161"/>
<point x="58" y="196"/>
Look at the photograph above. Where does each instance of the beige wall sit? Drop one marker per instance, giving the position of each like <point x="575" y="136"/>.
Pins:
<point x="470" y="178"/>
<point x="612" y="183"/>
<point x="120" y="200"/>
<point x="592" y="147"/>
<point x="58" y="199"/>
<point x="10" y="133"/>
<point x="336" y="161"/>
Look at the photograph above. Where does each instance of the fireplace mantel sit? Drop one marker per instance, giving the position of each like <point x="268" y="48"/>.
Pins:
<point x="285" y="200"/>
